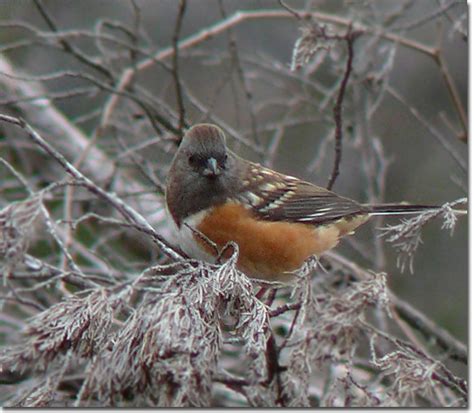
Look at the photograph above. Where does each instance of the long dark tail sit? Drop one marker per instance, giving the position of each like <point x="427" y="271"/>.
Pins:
<point x="399" y="209"/>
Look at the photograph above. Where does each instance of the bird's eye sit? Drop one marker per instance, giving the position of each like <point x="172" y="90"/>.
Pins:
<point x="225" y="157"/>
<point x="192" y="159"/>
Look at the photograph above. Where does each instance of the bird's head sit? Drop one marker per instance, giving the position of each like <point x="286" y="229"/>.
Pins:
<point x="203" y="152"/>
<point x="203" y="172"/>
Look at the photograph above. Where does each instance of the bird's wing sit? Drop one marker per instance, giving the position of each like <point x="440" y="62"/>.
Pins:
<point x="274" y="197"/>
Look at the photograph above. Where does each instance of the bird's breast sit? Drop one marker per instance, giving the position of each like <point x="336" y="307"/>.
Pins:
<point x="267" y="250"/>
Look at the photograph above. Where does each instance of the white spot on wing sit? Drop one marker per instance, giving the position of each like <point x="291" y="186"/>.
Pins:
<point x="253" y="199"/>
<point x="322" y="211"/>
<point x="277" y="203"/>
<point x="268" y="187"/>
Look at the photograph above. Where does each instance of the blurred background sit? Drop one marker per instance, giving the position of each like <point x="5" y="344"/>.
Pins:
<point x="403" y="135"/>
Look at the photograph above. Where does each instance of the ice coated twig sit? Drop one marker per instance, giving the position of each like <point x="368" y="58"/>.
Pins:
<point x="128" y="213"/>
<point x="406" y="237"/>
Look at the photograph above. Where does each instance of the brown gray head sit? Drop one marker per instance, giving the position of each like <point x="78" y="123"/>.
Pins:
<point x="203" y="173"/>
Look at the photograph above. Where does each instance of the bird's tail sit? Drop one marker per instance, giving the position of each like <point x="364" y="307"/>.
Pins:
<point x="405" y="209"/>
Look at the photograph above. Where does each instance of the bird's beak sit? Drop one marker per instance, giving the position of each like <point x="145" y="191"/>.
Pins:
<point x="212" y="169"/>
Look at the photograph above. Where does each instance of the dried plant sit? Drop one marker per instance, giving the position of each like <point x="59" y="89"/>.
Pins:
<point x="16" y="224"/>
<point x="406" y="236"/>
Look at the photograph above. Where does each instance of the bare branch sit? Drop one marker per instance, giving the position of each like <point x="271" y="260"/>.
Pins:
<point x="175" y="71"/>
<point x="349" y="38"/>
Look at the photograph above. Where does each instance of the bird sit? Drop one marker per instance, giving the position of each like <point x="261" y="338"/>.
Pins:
<point x="278" y="221"/>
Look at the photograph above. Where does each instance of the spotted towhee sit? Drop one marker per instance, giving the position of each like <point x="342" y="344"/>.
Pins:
<point x="278" y="221"/>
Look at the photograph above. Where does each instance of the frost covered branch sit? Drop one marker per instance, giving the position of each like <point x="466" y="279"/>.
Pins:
<point x="406" y="236"/>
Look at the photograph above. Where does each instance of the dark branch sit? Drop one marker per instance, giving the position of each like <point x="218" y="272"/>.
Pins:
<point x="69" y="48"/>
<point x="349" y="38"/>
<point x="175" y="70"/>
<point x="455" y="349"/>
<point x="126" y="211"/>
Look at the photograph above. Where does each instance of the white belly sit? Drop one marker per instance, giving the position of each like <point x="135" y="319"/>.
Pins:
<point x="186" y="240"/>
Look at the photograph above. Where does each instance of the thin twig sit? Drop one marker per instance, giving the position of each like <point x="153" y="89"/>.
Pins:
<point x="175" y="70"/>
<point x="452" y="382"/>
<point x="439" y="137"/>
<point x="132" y="216"/>
<point x="425" y="18"/>
<point x="337" y="110"/>
<point x="454" y="348"/>
<point x="69" y="48"/>
<point x="240" y="17"/>
<point x="428" y="328"/>
<point x="233" y="50"/>
<point x="453" y="92"/>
